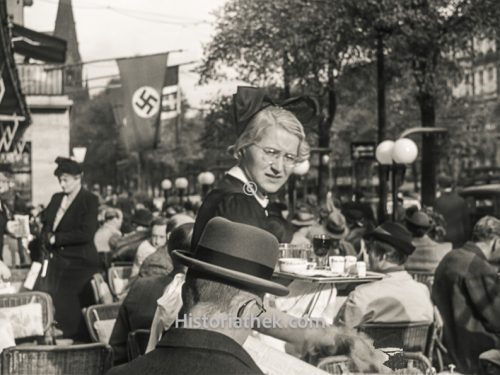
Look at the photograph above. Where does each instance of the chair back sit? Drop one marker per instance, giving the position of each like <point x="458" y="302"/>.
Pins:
<point x="100" y="312"/>
<point x="89" y="359"/>
<point x="118" y="277"/>
<point x="424" y="277"/>
<point x="137" y="343"/>
<point x="409" y="362"/>
<point x="336" y="364"/>
<point x="409" y="336"/>
<point x="24" y="298"/>
<point x="101" y="290"/>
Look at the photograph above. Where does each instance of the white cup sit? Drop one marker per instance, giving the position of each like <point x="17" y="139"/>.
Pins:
<point x="361" y="269"/>
<point x="350" y="264"/>
<point x="337" y="264"/>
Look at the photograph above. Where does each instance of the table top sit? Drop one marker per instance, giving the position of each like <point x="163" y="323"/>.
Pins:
<point x="324" y="278"/>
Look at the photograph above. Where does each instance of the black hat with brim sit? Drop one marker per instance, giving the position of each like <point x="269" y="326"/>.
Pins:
<point x="236" y="254"/>
<point x="393" y="234"/>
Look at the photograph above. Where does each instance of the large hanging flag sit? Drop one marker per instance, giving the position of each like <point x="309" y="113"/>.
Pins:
<point x="142" y="81"/>
<point x="170" y="109"/>
<point x="170" y="103"/>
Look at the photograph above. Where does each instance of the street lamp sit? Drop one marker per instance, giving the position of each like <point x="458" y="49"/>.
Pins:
<point x="205" y="179"/>
<point x="393" y="154"/>
<point x="166" y="185"/>
<point x="181" y="184"/>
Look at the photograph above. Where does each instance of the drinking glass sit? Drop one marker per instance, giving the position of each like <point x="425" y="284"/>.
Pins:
<point x="322" y="244"/>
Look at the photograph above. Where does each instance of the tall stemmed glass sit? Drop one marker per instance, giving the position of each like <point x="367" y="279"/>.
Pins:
<point x="322" y="244"/>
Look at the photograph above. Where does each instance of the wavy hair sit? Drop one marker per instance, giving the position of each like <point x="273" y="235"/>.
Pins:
<point x="267" y="118"/>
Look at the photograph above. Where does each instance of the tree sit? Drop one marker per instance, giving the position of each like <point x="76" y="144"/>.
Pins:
<point x="94" y="127"/>
<point x="298" y="45"/>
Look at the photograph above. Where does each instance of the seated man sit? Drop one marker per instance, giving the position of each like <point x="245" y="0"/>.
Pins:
<point x="124" y="248"/>
<point x="428" y="253"/>
<point x="395" y="298"/>
<point x="147" y="247"/>
<point x="228" y="276"/>
<point x="138" y="308"/>
<point x="466" y="291"/>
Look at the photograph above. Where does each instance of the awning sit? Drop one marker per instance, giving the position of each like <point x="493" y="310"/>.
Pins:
<point x="38" y="45"/>
<point x="14" y="112"/>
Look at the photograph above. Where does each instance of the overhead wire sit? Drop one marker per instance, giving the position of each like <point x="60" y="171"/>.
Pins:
<point x="141" y="14"/>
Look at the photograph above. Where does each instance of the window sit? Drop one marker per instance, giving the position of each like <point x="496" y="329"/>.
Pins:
<point x="490" y="74"/>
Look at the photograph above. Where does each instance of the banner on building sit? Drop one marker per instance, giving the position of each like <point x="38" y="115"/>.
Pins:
<point x="142" y="81"/>
<point x="170" y="102"/>
<point x="170" y="109"/>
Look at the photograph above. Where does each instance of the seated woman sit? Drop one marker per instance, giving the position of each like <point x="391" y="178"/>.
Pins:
<point x="138" y="308"/>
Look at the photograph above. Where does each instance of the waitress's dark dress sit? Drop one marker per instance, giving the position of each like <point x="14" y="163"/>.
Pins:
<point x="73" y="261"/>
<point x="229" y="201"/>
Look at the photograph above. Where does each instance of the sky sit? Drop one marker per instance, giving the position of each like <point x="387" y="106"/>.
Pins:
<point x="120" y="28"/>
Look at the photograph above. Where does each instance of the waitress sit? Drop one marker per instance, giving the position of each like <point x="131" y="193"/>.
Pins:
<point x="271" y="141"/>
<point x="69" y="225"/>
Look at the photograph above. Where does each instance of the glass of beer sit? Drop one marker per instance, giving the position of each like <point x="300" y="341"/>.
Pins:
<point x="322" y="244"/>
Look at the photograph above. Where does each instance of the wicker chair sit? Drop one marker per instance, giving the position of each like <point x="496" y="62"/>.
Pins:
<point x="137" y="343"/>
<point x="94" y="313"/>
<point x="409" y="336"/>
<point x="101" y="290"/>
<point x="336" y="364"/>
<point x="406" y="363"/>
<point x="88" y="359"/>
<point x="23" y="298"/>
<point x="424" y="277"/>
<point x="118" y="272"/>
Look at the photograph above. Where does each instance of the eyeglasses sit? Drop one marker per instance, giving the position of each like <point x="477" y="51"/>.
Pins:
<point x="257" y="303"/>
<point x="272" y="155"/>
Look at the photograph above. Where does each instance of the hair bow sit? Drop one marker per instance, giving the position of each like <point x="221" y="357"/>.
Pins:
<point x="248" y="101"/>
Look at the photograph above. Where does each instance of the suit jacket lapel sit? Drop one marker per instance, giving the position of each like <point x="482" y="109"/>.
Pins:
<point x="69" y="208"/>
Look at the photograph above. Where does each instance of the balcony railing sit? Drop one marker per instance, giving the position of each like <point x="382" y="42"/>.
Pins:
<point x="37" y="80"/>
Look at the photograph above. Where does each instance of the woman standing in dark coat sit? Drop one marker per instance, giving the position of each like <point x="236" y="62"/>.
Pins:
<point x="271" y="141"/>
<point x="69" y="225"/>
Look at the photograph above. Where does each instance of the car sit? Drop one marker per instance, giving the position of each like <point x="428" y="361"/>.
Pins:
<point x="482" y="200"/>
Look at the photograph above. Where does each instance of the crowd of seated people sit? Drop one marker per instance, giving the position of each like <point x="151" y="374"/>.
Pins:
<point x="466" y="287"/>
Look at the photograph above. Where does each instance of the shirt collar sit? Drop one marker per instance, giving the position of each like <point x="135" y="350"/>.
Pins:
<point x="238" y="173"/>
<point x="206" y="340"/>
<point x="399" y="275"/>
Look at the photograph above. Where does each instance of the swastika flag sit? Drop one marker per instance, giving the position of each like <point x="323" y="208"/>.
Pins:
<point x="142" y="80"/>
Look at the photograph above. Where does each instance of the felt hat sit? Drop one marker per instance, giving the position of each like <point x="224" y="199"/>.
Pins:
<point x="395" y="235"/>
<point x="237" y="254"/>
<point x="67" y="165"/>
<point x="303" y="218"/>
<point x="445" y="181"/>
<point x="334" y="226"/>
<point x="420" y="219"/>
<point x="142" y="217"/>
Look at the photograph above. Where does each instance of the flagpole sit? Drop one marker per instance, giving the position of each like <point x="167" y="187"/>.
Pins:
<point x="64" y="66"/>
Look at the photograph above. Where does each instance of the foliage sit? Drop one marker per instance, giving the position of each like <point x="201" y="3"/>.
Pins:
<point x="94" y="127"/>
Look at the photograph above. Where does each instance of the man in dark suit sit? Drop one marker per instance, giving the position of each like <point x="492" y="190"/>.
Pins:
<point x="69" y="225"/>
<point x="228" y="275"/>
<point x="455" y="212"/>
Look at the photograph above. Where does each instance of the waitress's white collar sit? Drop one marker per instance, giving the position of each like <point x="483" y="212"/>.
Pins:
<point x="238" y="173"/>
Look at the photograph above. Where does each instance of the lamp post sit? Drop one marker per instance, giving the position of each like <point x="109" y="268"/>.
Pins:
<point x="391" y="155"/>
<point x="166" y="185"/>
<point x="300" y="170"/>
<point x="205" y="179"/>
<point x="181" y="184"/>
